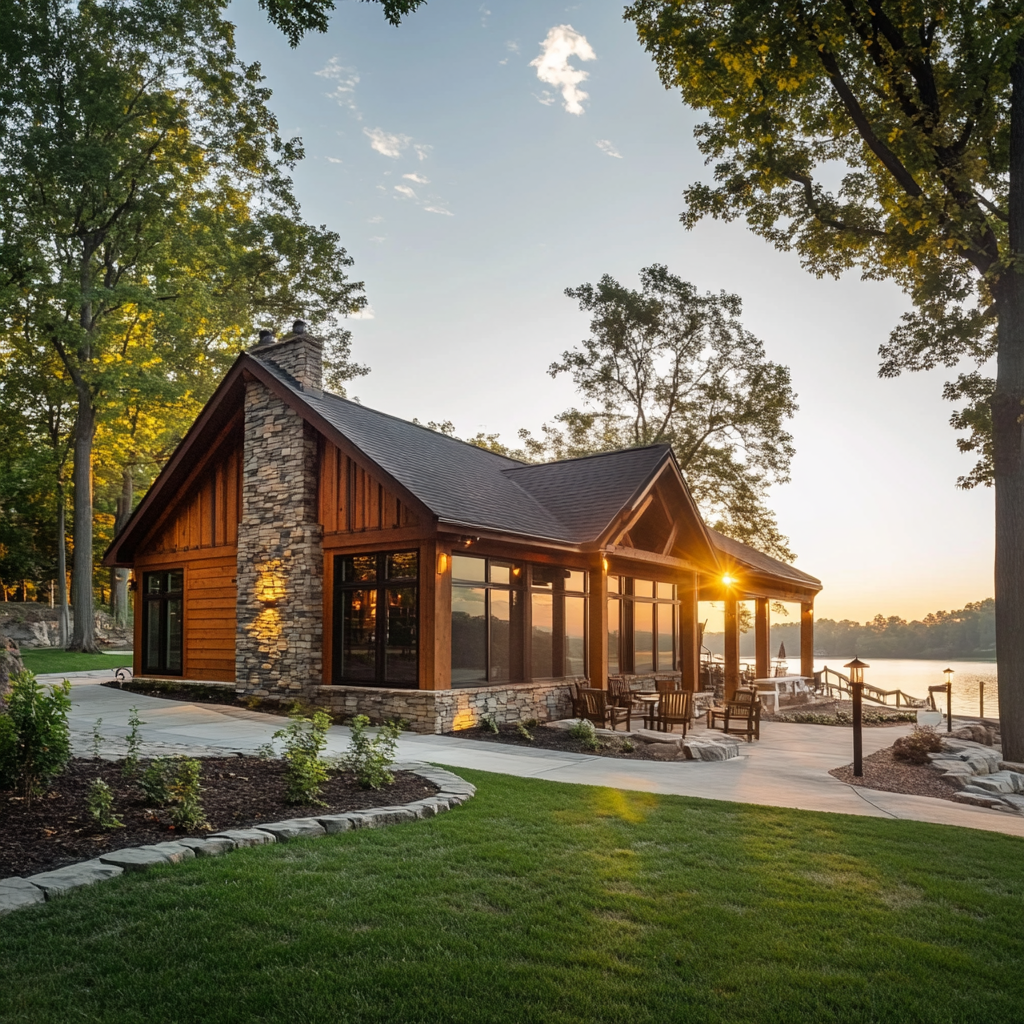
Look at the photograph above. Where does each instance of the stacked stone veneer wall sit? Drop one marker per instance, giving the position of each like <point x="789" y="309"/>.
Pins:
<point x="440" y="711"/>
<point x="279" y="638"/>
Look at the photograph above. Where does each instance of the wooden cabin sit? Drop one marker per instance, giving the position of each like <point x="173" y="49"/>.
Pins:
<point x="301" y="545"/>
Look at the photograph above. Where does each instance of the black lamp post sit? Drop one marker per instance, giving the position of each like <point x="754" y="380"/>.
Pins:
<point x="856" y="668"/>
<point x="948" y="672"/>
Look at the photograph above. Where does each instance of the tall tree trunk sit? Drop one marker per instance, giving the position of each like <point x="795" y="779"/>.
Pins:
<point x="121" y="606"/>
<point x="84" y="636"/>
<point x="1007" y="413"/>
<point x="64" y="612"/>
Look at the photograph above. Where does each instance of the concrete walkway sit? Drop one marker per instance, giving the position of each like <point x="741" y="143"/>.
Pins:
<point x="788" y="767"/>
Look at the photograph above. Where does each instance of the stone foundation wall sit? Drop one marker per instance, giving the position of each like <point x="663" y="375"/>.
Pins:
<point x="279" y="633"/>
<point x="441" y="711"/>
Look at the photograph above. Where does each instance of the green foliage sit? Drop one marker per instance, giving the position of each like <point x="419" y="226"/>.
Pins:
<point x="35" y="744"/>
<point x="304" y="741"/>
<point x="906" y="107"/>
<point x="490" y="723"/>
<point x="627" y="747"/>
<point x="916" y="747"/>
<point x="155" y="781"/>
<point x="186" y="806"/>
<point x="97" y="739"/>
<point x="368" y="758"/>
<point x="134" y="740"/>
<point x="582" y="729"/>
<point x="297" y="17"/>
<point x="523" y="732"/>
<point x="100" y="802"/>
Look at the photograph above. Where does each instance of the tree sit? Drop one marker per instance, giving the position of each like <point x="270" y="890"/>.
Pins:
<point x="143" y="180"/>
<point x="916" y="112"/>
<point x="667" y="365"/>
<point x="297" y="17"/>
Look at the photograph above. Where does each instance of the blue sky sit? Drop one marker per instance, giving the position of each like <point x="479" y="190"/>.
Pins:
<point x="471" y="195"/>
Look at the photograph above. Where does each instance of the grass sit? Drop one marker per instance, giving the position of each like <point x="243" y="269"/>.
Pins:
<point x="541" y="901"/>
<point x="48" y="659"/>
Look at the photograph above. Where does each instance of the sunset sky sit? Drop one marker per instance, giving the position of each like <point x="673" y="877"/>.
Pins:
<point x="480" y="159"/>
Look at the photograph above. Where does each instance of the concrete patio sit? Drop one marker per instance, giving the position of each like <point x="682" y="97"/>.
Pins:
<point x="788" y="767"/>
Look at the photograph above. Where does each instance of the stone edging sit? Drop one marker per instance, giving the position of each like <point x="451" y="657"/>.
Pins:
<point x="48" y="885"/>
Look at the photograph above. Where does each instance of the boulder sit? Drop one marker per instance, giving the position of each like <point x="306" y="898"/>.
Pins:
<point x="977" y="799"/>
<point x="10" y="664"/>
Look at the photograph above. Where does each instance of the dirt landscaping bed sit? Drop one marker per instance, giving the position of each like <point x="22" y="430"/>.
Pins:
<point x="203" y="693"/>
<point x="57" y="828"/>
<point x="840" y="712"/>
<point x="884" y="772"/>
<point x="547" y="738"/>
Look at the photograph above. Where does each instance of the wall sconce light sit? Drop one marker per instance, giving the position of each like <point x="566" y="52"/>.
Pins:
<point x="604" y="564"/>
<point x="270" y="583"/>
<point x="442" y="563"/>
<point x="517" y="570"/>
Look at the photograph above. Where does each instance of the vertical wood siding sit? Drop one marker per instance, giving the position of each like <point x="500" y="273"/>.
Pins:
<point x="351" y="501"/>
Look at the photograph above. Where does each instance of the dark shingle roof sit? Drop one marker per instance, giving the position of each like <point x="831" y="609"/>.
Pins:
<point x="571" y="501"/>
<point x="759" y="561"/>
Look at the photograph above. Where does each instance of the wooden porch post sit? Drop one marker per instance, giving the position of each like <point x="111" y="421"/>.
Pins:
<point x="597" y="625"/>
<point x="807" y="638"/>
<point x="689" y="636"/>
<point x="436" y="612"/>
<point x="732" y="647"/>
<point x="762" y="656"/>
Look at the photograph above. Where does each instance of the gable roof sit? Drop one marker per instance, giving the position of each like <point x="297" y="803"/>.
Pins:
<point x="572" y="501"/>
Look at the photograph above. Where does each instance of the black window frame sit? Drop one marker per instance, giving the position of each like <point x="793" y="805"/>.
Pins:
<point x="161" y="599"/>
<point x="381" y="583"/>
<point x="628" y="599"/>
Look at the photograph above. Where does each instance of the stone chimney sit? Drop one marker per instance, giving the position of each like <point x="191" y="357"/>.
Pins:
<point x="299" y="354"/>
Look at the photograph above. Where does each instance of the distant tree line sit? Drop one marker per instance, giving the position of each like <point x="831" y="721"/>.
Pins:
<point x="969" y="632"/>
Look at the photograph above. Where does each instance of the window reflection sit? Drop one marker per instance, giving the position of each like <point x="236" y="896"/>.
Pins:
<point x="465" y="567"/>
<point x="469" y="635"/>
<point x="575" y="637"/>
<point x="542" y="607"/>
<point x="643" y="636"/>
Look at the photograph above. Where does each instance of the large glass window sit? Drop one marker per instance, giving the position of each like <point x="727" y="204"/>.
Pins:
<point x="642" y="626"/>
<point x="558" y="606"/>
<point x="487" y="620"/>
<point x="163" y="621"/>
<point x="376" y="616"/>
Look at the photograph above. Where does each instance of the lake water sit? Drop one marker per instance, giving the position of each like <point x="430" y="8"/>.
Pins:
<point x="914" y="676"/>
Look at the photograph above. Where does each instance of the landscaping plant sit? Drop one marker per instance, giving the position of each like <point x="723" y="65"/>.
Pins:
<point x="134" y="741"/>
<point x="490" y="723"/>
<point x="187" y="809"/>
<point x="97" y="739"/>
<point x="100" y="801"/>
<point x="585" y="732"/>
<point x="523" y="732"/>
<point x="35" y="745"/>
<point x="304" y="742"/>
<point x="155" y="782"/>
<point x="916" y="747"/>
<point x="369" y="758"/>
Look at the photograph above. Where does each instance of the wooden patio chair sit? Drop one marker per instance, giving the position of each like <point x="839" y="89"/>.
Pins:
<point x="576" y="696"/>
<point x="598" y="710"/>
<point x="673" y="709"/>
<point x="620" y="694"/>
<point x="741" y="715"/>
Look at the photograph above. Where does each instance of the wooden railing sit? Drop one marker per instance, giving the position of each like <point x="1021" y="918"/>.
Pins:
<point x="824" y="684"/>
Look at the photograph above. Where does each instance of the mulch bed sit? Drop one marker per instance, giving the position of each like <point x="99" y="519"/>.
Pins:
<point x="840" y="713"/>
<point x="559" y="739"/>
<point x="883" y="772"/>
<point x="200" y="694"/>
<point x="57" y="829"/>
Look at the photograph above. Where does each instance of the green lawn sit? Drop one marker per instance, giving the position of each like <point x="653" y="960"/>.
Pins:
<point x="540" y="901"/>
<point x="53" y="660"/>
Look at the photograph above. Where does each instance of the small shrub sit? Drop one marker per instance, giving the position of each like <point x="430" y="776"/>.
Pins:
<point x="368" y="759"/>
<point x="916" y="747"/>
<point x="156" y="782"/>
<point x="100" y="801"/>
<point x="253" y="703"/>
<point x="97" y="739"/>
<point x="490" y="723"/>
<point x="531" y="723"/>
<point x="627" y="747"/>
<point x="523" y="732"/>
<point x="35" y="745"/>
<point x="130" y="769"/>
<point x="304" y="741"/>
<point x="583" y="730"/>
<point x="265" y="752"/>
<point x="187" y="809"/>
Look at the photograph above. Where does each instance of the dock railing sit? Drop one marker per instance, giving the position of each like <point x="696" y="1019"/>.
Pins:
<point x="831" y="683"/>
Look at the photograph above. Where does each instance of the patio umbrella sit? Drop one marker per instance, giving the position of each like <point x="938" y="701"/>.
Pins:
<point x="782" y="651"/>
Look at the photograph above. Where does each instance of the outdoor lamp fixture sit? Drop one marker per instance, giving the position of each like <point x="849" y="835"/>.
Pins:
<point x="442" y="563"/>
<point x="856" y="668"/>
<point x="948" y="673"/>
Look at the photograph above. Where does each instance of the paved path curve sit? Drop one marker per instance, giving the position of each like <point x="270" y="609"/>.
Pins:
<point x="787" y="768"/>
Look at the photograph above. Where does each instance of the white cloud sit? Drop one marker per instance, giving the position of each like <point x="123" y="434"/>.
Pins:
<point x="553" y="67"/>
<point x="608" y="147"/>
<point x="334" y="160"/>
<point x="405" y="191"/>
<point x="544" y="97"/>
<point x="377" y="238"/>
<point x="418" y="178"/>
<point x="375" y="220"/>
<point x="439" y="209"/>
<point x="512" y="47"/>
<point x="385" y="143"/>
<point x="346" y="80"/>
<point x="422" y="152"/>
